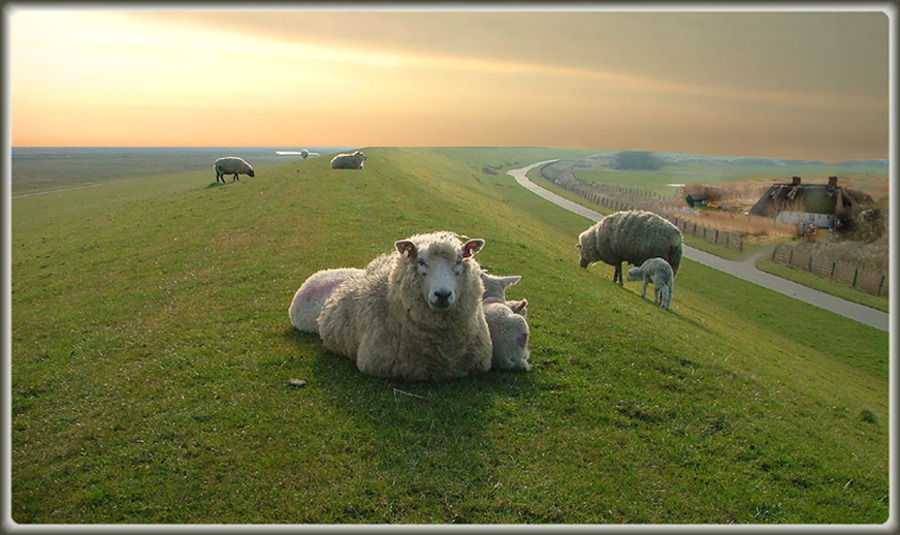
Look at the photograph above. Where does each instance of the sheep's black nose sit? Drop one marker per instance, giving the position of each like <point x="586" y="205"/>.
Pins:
<point x="442" y="298"/>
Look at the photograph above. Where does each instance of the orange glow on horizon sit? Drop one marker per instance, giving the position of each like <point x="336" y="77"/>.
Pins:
<point x="112" y="78"/>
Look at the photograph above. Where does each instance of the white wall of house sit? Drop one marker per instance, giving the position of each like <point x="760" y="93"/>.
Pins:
<point x="798" y="218"/>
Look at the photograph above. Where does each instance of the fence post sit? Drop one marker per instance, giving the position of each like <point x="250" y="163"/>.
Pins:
<point x="809" y="264"/>
<point x="880" y="286"/>
<point x="791" y="258"/>
<point x="855" y="276"/>
<point x="833" y="267"/>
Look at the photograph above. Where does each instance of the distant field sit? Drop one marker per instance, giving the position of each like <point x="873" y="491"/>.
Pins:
<point x="872" y="180"/>
<point x="151" y="350"/>
<point x="42" y="169"/>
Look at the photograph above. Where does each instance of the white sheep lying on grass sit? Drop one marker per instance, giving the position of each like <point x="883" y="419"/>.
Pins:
<point x="633" y="237"/>
<point x="232" y="165"/>
<point x="509" y="334"/>
<point x="312" y="294"/>
<point x="506" y="323"/>
<point x="658" y="272"/>
<point x="415" y="314"/>
<point x="348" y="161"/>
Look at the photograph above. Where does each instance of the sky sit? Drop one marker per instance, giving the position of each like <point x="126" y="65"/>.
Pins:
<point x="782" y="84"/>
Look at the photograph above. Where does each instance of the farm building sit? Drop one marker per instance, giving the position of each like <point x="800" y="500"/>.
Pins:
<point x="799" y="203"/>
<point x="697" y="200"/>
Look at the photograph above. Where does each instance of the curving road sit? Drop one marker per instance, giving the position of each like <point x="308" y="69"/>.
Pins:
<point x="743" y="269"/>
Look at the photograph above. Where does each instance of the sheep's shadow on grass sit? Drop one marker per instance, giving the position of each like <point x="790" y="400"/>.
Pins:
<point x="424" y="429"/>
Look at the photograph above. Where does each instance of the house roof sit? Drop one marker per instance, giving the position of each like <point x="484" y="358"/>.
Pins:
<point x="812" y="198"/>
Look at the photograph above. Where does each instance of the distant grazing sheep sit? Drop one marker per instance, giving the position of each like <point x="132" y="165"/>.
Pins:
<point x="348" y="161"/>
<point x="312" y="294"/>
<point x="304" y="154"/>
<point x="658" y="272"/>
<point x="506" y="322"/>
<point x="633" y="237"/>
<point x="415" y="314"/>
<point x="232" y="165"/>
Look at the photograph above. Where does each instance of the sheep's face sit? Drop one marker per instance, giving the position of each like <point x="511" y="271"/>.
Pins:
<point x="440" y="270"/>
<point x="584" y="261"/>
<point x="583" y="249"/>
<point x="250" y="172"/>
<point x="634" y="274"/>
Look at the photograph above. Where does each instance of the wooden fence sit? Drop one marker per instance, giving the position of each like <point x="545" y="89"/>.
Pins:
<point x="620" y="198"/>
<point x="871" y="282"/>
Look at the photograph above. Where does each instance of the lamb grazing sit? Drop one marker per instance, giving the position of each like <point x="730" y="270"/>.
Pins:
<point x="312" y="294"/>
<point x="415" y="314"/>
<point x="348" y="161"/>
<point x="506" y="323"/>
<point x="232" y="165"/>
<point x="633" y="237"/>
<point x="657" y="271"/>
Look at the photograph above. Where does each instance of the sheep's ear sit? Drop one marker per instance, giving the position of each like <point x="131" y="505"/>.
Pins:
<point x="578" y="246"/>
<point x="471" y="247"/>
<point x="509" y="281"/>
<point x="407" y="247"/>
<point x="519" y="306"/>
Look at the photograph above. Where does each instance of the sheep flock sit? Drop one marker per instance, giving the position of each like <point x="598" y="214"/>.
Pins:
<point x="427" y="311"/>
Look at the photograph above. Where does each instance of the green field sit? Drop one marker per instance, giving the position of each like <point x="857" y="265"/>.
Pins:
<point x="151" y="352"/>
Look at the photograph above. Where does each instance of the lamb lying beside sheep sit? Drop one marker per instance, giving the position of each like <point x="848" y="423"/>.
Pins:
<point x="312" y="294"/>
<point x="633" y="237"/>
<point x="232" y="165"/>
<point x="506" y="323"/>
<point x="658" y="272"/>
<point x="414" y="314"/>
<point x="348" y="161"/>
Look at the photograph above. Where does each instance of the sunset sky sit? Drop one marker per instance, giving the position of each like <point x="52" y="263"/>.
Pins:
<point x="776" y="84"/>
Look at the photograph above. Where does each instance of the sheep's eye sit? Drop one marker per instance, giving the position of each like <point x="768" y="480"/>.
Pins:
<point x="422" y="264"/>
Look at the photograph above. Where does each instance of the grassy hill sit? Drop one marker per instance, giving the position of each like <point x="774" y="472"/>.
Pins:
<point x="151" y="352"/>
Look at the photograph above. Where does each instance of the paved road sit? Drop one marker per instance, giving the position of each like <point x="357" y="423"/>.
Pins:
<point x="744" y="268"/>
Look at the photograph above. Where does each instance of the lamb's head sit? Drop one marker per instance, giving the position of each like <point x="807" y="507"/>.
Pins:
<point x="250" y="172"/>
<point x="444" y="266"/>
<point x="360" y="156"/>
<point x="495" y="286"/>
<point x="634" y="274"/>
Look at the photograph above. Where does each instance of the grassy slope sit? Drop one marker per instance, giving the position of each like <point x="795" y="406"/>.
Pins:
<point x="151" y="349"/>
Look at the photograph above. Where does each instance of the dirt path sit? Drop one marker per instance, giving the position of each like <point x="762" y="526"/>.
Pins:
<point x="745" y="268"/>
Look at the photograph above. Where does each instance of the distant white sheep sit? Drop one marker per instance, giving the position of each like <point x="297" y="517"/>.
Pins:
<point x="348" y="161"/>
<point x="506" y="323"/>
<point x="633" y="237"/>
<point x="658" y="272"/>
<point x="415" y="314"/>
<point x="312" y="294"/>
<point x="232" y="165"/>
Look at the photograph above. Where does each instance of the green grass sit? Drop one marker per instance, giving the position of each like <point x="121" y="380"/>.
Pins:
<point x="814" y="281"/>
<point x="151" y="350"/>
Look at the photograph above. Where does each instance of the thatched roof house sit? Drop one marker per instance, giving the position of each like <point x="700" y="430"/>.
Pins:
<point x="813" y="199"/>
